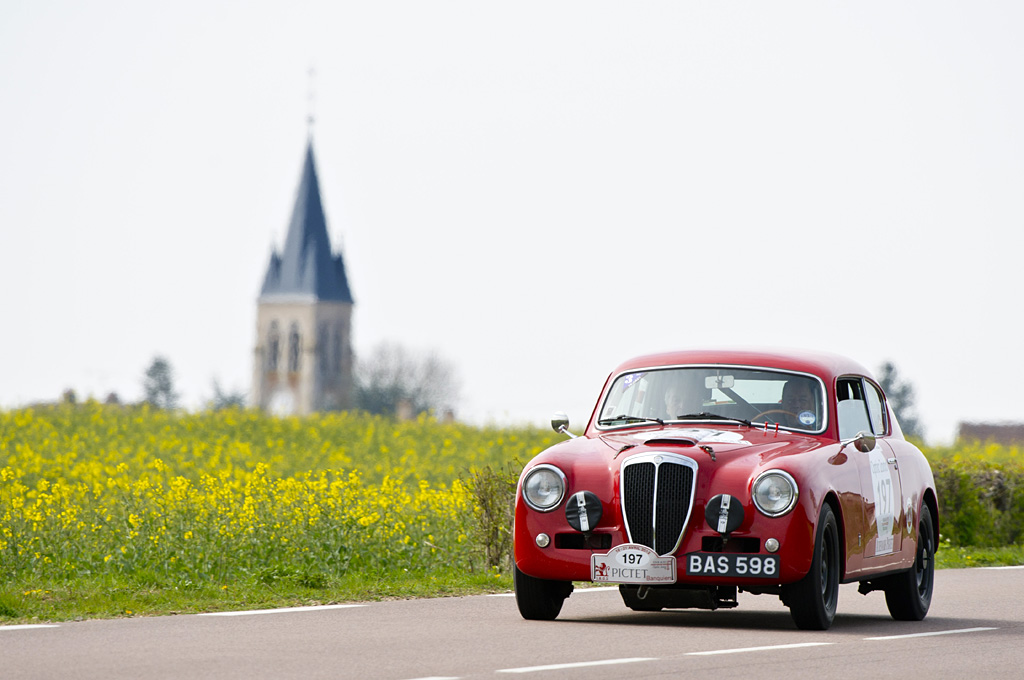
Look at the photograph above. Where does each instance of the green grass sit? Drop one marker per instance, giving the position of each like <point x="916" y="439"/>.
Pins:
<point x="951" y="557"/>
<point x="110" y="598"/>
<point x="141" y="596"/>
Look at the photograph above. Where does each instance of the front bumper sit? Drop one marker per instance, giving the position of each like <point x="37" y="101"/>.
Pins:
<point x="566" y="555"/>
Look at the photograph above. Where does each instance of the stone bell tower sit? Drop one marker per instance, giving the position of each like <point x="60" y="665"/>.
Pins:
<point x="302" y="362"/>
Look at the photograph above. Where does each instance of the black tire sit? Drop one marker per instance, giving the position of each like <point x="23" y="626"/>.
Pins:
<point x="909" y="595"/>
<point x="813" y="599"/>
<point x="539" y="599"/>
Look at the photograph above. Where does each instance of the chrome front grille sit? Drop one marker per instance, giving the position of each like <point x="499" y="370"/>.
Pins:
<point x="657" y="497"/>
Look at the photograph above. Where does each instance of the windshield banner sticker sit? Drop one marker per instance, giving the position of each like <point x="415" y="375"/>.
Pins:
<point x="703" y="436"/>
<point x="631" y="378"/>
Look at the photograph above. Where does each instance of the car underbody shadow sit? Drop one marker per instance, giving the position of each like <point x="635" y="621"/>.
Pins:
<point x="736" y="619"/>
<point x="730" y="619"/>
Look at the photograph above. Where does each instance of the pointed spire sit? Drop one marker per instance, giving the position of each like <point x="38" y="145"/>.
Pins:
<point x="307" y="267"/>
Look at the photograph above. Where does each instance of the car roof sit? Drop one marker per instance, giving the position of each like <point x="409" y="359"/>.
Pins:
<point x="822" y="364"/>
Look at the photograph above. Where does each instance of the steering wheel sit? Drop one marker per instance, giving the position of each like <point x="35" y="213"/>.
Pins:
<point x="775" y="410"/>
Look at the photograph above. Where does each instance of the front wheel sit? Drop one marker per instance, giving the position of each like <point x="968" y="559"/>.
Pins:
<point x="813" y="599"/>
<point x="909" y="595"/>
<point x="539" y="599"/>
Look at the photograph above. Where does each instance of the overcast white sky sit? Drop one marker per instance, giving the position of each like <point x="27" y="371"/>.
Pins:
<point x="535" y="190"/>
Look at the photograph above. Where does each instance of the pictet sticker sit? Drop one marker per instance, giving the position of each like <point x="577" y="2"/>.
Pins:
<point x="632" y="563"/>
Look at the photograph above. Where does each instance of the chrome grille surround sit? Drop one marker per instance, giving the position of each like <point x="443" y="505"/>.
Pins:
<point x="656" y="492"/>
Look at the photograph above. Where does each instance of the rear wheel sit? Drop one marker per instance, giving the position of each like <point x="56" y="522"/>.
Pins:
<point x="539" y="599"/>
<point x="812" y="600"/>
<point x="909" y="595"/>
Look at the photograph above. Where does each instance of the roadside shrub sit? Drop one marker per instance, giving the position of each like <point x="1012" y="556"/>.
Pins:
<point x="494" y="492"/>
<point x="980" y="503"/>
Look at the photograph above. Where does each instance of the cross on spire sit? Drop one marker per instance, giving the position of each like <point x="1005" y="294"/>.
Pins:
<point x="310" y="118"/>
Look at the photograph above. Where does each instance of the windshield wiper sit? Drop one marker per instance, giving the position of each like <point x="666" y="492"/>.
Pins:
<point x="704" y="415"/>
<point x="630" y="419"/>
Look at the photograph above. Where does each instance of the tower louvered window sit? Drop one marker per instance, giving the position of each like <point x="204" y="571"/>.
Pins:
<point x="273" y="347"/>
<point x="322" y="363"/>
<point x="294" y="349"/>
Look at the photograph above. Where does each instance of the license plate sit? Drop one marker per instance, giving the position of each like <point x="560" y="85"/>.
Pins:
<point x="732" y="565"/>
<point x="632" y="563"/>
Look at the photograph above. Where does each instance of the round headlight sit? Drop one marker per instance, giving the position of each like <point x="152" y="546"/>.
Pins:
<point x="544" y="487"/>
<point x="775" y="493"/>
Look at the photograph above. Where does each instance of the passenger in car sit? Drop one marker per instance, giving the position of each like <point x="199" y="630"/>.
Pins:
<point x="680" y="401"/>
<point x="799" y="400"/>
<point x="674" y="402"/>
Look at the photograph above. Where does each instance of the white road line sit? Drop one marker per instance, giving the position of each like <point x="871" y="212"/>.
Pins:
<point x="27" y="626"/>
<point x="284" y="610"/>
<point x="439" y="677"/>
<point x="1017" y="566"/>
<point x="740" y="650"/>
<point x="937" y="632"/>
<point x="581" y="664"/>
<point x="598" y="589"/>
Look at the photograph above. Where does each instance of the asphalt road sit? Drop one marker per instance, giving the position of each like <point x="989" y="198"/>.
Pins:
<point x="975" y="629"/>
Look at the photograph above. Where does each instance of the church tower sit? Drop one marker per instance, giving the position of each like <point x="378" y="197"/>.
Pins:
<point x="303" y="357"/>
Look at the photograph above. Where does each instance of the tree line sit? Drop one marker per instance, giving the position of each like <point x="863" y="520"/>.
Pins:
<point x="391" y="377"/>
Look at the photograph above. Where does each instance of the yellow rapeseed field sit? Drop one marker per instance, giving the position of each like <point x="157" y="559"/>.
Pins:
<point x="93" y="489"/>
<point x="974" y="452"/>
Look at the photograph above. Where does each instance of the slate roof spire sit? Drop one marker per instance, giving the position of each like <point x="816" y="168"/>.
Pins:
<point x="307" y="268"/>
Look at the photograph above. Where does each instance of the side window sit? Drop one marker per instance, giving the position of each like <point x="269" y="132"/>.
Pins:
<point x="876" y="408"/>
<point x="852" y="408"/>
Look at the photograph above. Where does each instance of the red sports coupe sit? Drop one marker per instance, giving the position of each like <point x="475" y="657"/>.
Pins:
<point x="702" y="474"/>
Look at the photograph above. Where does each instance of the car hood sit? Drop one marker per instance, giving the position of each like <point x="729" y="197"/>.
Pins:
<point x="721" y="447"/>
<point x="724" y="444"/>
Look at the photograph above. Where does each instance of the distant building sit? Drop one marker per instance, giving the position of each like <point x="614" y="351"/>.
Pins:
<point x="302" y="362"/>
<point x="1008" y="434"/>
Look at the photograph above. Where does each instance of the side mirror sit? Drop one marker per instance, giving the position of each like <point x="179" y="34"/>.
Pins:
<point x="863" y="442"/>
<point x="560" y="424"/>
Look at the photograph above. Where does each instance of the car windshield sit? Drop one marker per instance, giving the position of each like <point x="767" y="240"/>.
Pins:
<point x="693" y="393"/>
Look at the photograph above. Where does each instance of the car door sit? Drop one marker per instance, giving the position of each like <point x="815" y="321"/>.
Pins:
<point x="861" y="408"/>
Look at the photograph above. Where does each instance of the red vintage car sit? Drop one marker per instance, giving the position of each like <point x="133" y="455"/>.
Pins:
<point x="702" y="474"/>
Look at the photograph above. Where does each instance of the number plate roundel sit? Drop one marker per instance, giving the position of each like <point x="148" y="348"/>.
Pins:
<point x="583" y="511"/>
<point x="724" y="513"/>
